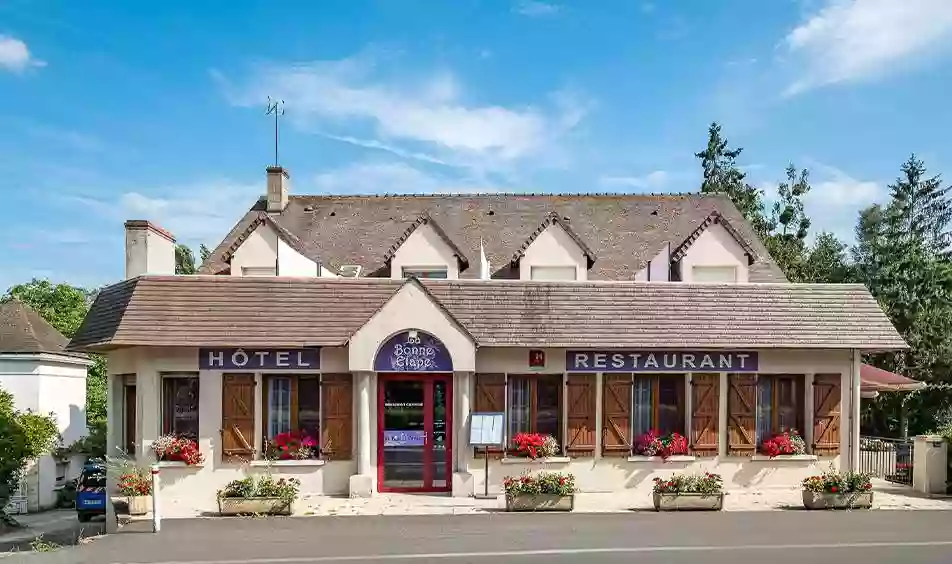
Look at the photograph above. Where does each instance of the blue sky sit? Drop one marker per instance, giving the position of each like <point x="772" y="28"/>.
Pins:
<point x="112" y="111"/>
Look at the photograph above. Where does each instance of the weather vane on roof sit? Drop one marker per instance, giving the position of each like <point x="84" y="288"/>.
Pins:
<point x="276" y="108"/>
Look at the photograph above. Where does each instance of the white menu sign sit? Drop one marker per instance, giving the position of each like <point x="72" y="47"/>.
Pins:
<point x="486" y="429"/>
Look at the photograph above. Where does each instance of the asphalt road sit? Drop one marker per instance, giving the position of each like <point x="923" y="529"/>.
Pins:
<point x="859" y="537"/>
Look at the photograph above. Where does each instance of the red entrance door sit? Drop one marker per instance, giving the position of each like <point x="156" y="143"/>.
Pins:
<point x="415" y="433"/>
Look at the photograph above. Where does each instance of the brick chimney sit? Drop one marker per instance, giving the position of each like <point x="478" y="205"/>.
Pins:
<point x="279" y="181"/>
<point x="149" y="249"/>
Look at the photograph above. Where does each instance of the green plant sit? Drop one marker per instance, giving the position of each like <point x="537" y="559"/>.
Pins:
<point x="705" y="484"/>
<point x="135" y="483"/>
<point x="286" y="489"/>
<point x="555" y="483"/>
<point x="835" y="482"/>
<point x="40" y="545"/>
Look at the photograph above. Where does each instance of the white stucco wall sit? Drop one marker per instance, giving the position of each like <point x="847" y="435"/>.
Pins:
<point x="553" y="247"/>
<point x="260" y="250"/>
<point x="714" y="247"/>
<point x="293" y="263"/>
<point x="21" y="378"/>
<point x="424" y="248"/>
<point x="658" y="268"/>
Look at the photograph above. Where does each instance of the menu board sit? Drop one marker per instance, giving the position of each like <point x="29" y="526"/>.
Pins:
<point x="486" y="429"/>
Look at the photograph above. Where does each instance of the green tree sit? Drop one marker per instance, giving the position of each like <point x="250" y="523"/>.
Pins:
<point x="723" y="175"/>
<point x="23" y="437"/>
<point x="64" y="307"/>
<point x="204" y="252"/>
<point x="184" y="260"/>
<point x="826" y="261"/>
<point x="789" y="226"/>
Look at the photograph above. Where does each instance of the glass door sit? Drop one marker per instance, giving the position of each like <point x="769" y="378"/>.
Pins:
<point x="415" y="433"/>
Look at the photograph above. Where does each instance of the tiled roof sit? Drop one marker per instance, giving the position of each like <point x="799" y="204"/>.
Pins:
<point x="625" y="231"/>
<point x="274" y="311"/>
<point x="24" y="331"/>
<point x="550" y="219"/>
<point x="262" y="218"/>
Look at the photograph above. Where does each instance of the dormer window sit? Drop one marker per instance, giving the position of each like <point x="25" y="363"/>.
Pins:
<point x="553" y="252"/>
<point x="435" y="272"/>
<point x="553" y="272"/>
<point x="705" y="273"/>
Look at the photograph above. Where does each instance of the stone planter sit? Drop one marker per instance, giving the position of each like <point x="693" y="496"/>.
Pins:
<point x="139" y="504"/>
<point x="688" y="502"/>
<point x="254" y="506"/>
<point x="540" y="502"/>
<point x="823" y="500"/>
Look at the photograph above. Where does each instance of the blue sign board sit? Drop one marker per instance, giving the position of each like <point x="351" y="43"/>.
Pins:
<point x="413" y="351"/>
<point x="661" y="361"/>
<point x="259" y="359"/>
<point x="404" y="438"/>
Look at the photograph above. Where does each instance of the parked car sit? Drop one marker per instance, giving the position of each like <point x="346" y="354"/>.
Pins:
<point x="91" y="492"/>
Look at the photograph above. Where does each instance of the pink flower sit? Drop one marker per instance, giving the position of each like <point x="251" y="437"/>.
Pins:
<point x="308" y="442"/>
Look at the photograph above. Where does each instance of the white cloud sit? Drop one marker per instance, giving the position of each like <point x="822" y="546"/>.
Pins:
<point x="656" y="180"/>
<point x="393" y="178"/>
<point x="430" y="115"/>
<point x="536" y="8"/>
<point x="840" y="189"/>
<point x="851" y="40"/>
<point x="15" y="56"/>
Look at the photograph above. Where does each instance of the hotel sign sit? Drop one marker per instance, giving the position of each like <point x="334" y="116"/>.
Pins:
<point x="259" y="359"/>
<point x="661" y="361"/>
<point x="413" y="351"/>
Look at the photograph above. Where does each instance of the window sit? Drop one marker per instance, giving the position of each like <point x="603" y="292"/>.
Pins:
<point x="552" y="273"/>
<point x="535" y="405"/>
<point x="293" y="405"/>
<point x="634" y="404"/>
<point x="180" y="405"/>
<point x="424" y="272"/>
<point x="258" y="271"/>
<point x="714" y="274"/>
<point x="778" y="405"/>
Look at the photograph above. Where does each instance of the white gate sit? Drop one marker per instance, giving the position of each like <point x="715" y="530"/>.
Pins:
<point x="17" y="504"/>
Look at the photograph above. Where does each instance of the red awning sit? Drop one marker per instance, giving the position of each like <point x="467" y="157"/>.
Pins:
<point x="878" y="380"/>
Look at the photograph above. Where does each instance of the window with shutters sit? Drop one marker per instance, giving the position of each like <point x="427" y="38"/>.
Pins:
<point x="642" y="402"/>
<point x="238" y="417"/>
<point x="292" y="416"/>
<point x="180" y="405"/>
<point x="826" y="414"/>
<point x="761" y="406"/>
<point x="534" y="405"/>
<point x="580" y="401"/>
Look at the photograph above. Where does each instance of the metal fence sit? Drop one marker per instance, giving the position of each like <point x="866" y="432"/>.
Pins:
<point x="889" y="459"/>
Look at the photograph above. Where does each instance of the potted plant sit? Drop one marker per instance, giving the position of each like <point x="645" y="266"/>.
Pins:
<point x="549" y="491"/>
<point x="534" y="445"/>
<point x="292" y="445"/>
<point x="170" y="448"/>
<point x="689" y="492"/>
<point x="785" y="443"/>
<point x="838" y="490"/>
<point x="654" y="444"/>
<point x="262" y="495"/>
<point x="135" y="488"/>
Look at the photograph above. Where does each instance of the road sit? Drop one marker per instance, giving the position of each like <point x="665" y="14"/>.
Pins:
<point x="783" y="537"/>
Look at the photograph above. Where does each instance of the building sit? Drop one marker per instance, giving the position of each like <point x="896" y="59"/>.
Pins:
<point x="375" y="325"/>
<point x="43" y="378"/>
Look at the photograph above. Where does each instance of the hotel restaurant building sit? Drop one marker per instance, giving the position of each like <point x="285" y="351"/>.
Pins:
<point x="376" y="325"/>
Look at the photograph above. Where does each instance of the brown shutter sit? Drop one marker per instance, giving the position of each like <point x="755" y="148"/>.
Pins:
<point x="490" y="398"/>
<point x="616" y="434"/>
<point x="742" y="414"/>
<point x="237" y="416"/>
<point x="337" y="405"/>
<point x="826" y="414"/>
<point x="581" y="415"/>
<point x="705" y="403"/>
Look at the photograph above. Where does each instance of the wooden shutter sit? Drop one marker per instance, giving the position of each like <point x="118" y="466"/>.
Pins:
<point x="826" y="414"/>
<point x="742" y="414"/>
<point x="705" y="408"/>
<point x="581" y="415"/>
<point x="616" y="433"/>
<point x="490" y="398"/>
<point x="238" y="416"/>
<point x="337" y="406"/>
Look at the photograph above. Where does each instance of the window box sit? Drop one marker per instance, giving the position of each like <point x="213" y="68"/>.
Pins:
<point x="527" y="460"/>
<point x="540" y="502"/>
<point x="675" y="458"/>
<point x="825" y="500"/>
<point x="286" y="463"/>
<point x="178" y="464"/>
<point x="688" y="502"/>
<point x="784" y="457"/>
<point x="254" y="506"/>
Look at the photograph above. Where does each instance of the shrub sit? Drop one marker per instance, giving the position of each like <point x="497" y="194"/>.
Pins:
<point x="653" y="444"/>
<point x="836" y="482"/>
<point x="556" y="483"/>
<point x="535" y="445"/>
<point x="706" y="483"/>
<point x="170" y="448"/>
<point x="286" y="489"/>
<point x="135" y="483"/>
<point x="788" y="442"/>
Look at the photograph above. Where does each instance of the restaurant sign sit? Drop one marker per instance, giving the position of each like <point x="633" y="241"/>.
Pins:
<point x="661" y="361"/>
<point x="413" y="351"/>
<point x="259" y="359"/>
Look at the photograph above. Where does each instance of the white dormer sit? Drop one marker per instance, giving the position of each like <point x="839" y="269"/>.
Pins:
<point x="425" y="251"/>
<point x="714" y="252"/>
<point x="553" y="252"/>
<point x="658" y="268"/>
<point x="265" y="249"/>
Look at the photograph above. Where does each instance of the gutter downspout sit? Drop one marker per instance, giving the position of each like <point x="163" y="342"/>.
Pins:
<point x="854" y="410"/>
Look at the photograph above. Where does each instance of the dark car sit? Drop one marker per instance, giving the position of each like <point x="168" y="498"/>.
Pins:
<point x="91" y="492"/>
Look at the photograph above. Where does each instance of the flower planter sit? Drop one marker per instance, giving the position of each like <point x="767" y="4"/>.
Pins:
<point x="823" y="500"/>
<point x="688" y="502"/>
<point x="254" y="506"/>
<point x="139" y="504"/>
<point x="540" y="502"/>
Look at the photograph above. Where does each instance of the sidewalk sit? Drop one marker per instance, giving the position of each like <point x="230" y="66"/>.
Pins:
<point x="58" y="526"/>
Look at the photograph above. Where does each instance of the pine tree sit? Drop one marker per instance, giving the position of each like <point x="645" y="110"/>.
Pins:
<point x="790" y="226"/>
